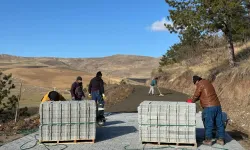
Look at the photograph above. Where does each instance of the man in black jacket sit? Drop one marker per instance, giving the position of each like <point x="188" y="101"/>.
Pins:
<point x="77" y="90"/>
<point x="96" y="91"/>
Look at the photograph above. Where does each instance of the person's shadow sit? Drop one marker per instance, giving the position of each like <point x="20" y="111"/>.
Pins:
<point x="200" y="136"/>
<point x="108" y="123"/>
<point x="109" y="132"/>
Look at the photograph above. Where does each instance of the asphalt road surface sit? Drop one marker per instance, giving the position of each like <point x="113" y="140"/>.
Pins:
<point x="140" y="94"/>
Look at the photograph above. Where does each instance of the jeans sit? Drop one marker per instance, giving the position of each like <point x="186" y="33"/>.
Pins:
<point x="96" y="96"/>
<point x="212" y="118"/>
<point x="99" y="103"/>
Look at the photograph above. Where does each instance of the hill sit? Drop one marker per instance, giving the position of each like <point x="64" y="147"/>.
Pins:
<point x="122" y="66"/>
<point x="41" y="74"/>
<point x="231" y="84"/>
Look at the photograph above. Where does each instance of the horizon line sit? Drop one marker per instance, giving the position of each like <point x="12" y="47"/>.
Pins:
<point x="11" y="55"/>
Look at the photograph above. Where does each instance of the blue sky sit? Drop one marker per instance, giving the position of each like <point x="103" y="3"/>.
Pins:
<point x="84" y="28"/>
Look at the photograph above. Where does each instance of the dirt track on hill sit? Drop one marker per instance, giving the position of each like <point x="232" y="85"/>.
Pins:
<point x="140" y="94"/>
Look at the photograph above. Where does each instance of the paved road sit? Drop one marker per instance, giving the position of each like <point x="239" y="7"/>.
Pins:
<point x="140" y="94"/>
<point x="120" y="131"/>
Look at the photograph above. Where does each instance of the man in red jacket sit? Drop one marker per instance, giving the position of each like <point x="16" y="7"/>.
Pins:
<point x="212" y="112"/>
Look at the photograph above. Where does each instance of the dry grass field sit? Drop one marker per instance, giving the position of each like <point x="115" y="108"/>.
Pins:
<point x="40" y="75"/>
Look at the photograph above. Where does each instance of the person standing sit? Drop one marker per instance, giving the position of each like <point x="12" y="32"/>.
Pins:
<point x="212" y="116"/>
<point x="152" y="86"/>
<point x="77" y="89"/>
<point x="96" y="91"/>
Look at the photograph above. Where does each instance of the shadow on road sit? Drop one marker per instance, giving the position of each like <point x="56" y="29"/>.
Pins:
<point x="200" y="136"/>
<point x="237" y="135"/>
<point x="106" y="133"/>
<point x="108" y="123"/>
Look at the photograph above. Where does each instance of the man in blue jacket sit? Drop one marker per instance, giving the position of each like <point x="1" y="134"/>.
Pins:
<point x="152" y="85"/>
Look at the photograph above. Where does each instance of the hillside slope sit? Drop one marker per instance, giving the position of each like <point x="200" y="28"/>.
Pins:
<point x="232" y="84"/>
<point x="122" y="66"/>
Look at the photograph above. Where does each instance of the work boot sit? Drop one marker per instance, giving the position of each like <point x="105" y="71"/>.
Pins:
<point x="207" y="142"/>
<point x="220" y="141"/>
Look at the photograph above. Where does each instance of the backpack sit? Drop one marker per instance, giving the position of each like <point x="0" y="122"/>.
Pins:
<point x="79" y="92"/>
<point x="153" y="83"/>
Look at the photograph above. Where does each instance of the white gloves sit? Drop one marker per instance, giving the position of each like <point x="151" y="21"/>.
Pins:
<point x="103" y="96"/>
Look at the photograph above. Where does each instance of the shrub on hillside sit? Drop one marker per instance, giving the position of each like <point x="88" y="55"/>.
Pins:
<point x="123" y="82"/>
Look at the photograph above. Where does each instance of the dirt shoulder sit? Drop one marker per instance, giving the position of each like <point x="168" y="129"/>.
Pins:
<point x="239" y="136"/>
<point x="10" y="130"/>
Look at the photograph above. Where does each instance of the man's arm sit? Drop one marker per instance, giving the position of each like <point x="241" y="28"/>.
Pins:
<point x="72" y="90"/>
<point x="83" y="92"/>
<point x="197" y="94"/>
<point x="90" y="86"/>
<point x="102" y="87"/>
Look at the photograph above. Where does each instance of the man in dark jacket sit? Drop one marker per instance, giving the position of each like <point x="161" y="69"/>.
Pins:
<point x="77" y="89"/>
<point x="96" y="91"/>
<point x="212" y="112"/>
<point x="96" y="87"/>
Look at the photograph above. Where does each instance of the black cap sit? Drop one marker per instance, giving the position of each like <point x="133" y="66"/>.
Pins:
<point x="54" y="96"/>
<point x="79" y="78"/>
<point x="99" y="74"/>
<point x="196" y="78"/>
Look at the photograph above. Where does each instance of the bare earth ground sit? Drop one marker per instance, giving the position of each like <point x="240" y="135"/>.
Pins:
<point x="51" y="77"/>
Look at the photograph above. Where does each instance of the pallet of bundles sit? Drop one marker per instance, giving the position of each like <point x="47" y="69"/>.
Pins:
<point x="67" y="122"/>
<point x="170" y="123"/>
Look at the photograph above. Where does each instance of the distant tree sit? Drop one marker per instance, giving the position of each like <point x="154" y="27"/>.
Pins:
<point x="209" y="16"/>
<point x="7" y="101"/>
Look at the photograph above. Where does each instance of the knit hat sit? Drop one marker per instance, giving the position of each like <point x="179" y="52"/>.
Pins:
<point x="79" y="78"/>
<point x="54" y="96"/>
<point x="99" y="74"/>
<point x="196" y="78"/>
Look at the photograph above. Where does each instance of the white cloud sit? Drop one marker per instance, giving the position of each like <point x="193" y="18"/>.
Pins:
<point x="159" y="25"/>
